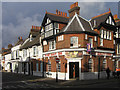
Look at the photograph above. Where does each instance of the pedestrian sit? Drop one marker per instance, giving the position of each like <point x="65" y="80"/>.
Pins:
<point x="108" y="72"/>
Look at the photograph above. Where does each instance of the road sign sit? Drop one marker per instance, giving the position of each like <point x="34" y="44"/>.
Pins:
<point x="57" y="60"/>
<point x="88" y="47"/>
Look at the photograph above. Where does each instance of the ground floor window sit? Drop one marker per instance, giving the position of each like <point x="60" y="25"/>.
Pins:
<point x="104" y="65"/>
<point x="90" y="65"/>
<point x="49" y="66"/>
<point x="41" y="66"/>
<point x="37" y="66"/>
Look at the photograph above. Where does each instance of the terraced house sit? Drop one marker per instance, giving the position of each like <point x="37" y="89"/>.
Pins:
<point x="67" y="47"/>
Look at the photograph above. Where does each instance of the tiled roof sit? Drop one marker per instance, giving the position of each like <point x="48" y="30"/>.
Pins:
<point x="78" y="25"/>
<point x="100" y="19"/>
<point x="29" y="43"/>
<point x="55" y="17"/>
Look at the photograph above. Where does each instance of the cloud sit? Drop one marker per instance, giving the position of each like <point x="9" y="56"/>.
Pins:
<point x="22" y="28"/>
<point x="90" y="9"/>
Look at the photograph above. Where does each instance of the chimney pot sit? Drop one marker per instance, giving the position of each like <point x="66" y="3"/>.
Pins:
<point x="34" y="27"/>
<point x="59" y="13"/>
<point x="65" y="14"/>
<point x="56" y="11"/>
<point x="115" y="16"/>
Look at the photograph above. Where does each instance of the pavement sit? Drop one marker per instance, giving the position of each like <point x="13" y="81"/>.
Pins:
<point x="21" y="81"/>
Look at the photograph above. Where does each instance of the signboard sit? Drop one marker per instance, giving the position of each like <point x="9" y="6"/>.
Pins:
<point x="73" y="54"/>
<point x="54" y="54"/>
<point x="104" y="54"/>
<point x="88" y="47"/>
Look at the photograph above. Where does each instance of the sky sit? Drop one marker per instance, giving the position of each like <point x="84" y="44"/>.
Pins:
<point x="18" y="17"/>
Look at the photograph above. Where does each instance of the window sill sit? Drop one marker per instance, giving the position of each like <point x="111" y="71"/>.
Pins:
<point x="74" y="47"/>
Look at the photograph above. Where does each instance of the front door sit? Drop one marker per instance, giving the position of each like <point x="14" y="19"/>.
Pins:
<point x="74" y="70"/>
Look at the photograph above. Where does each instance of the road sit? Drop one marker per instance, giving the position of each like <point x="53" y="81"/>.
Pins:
<point x="14" y="81"/>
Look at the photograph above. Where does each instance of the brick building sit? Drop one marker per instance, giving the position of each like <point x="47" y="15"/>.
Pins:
<point x="69" y="39"/>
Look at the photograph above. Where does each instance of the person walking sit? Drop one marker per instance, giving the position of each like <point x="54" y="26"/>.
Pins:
<point x="108" y="73"/>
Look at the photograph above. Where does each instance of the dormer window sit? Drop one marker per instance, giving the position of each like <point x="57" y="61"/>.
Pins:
<point x="31" y="38"/>
<point x="56" y="25"/>
<point x="94" y="23"/>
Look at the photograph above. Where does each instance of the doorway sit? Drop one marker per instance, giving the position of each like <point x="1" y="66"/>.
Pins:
<point x="73" y="70"/>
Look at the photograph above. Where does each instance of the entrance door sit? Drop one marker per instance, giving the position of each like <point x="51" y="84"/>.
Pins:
<point x="74" y="70"/>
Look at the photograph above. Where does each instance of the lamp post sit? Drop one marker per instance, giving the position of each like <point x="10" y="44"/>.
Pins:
<point x="29" y="64"/>
<point x="57" y="61"/>
<point x="99" y="67"/>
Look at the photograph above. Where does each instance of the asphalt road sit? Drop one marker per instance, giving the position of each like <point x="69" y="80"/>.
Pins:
<point x="14" y="81"/>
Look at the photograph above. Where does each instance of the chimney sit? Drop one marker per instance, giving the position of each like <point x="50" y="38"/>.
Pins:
<point x="20" y="38"/>
<point x="61" y="13"/>
<point x="9" y="46"/>
<point x="32" y="27"/>
<point x="65" y="14"/>
<point x="115" y="16"/>
<point x="56" y="11"/>
<point x="74" y="8"/>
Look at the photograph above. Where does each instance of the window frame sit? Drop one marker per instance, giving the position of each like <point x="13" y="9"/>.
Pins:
<point x="72" y="41"/>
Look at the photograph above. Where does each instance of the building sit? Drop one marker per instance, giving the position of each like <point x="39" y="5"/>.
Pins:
<point x="117" y="43"/>
<point x="31" y="53"/>
<point x="67" y="47"/>
<point x="16" y="55"/>
<point x="68" y="38"/>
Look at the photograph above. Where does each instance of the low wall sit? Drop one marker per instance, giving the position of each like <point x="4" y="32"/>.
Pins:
<point x="93" y="75"/>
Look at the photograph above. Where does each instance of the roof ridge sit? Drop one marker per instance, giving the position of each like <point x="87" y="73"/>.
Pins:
<point x="56" y="15"/>
<point x="101" y="14"/>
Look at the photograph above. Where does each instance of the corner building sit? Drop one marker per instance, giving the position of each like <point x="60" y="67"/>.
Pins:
<point x="67" y="38"/>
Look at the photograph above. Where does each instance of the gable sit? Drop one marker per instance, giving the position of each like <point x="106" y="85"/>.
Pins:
<point x="110" y="20"/>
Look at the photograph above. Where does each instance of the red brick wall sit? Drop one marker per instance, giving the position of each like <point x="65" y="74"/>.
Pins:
<point x="84" y="62"/>
<point x="53" y="63"/>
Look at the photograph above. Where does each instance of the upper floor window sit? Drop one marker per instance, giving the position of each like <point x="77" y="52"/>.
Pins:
<point x="24" y="53"/>
<point x="52" y="45"/>
<point x="12" y="55"/>
<point x="61" y="38"/>
<point x="17" y="54"/>
<point x="95" y="38"/>
<point x="101" y="42"/>
<point x="110" y="36"/>
<point x="86" y="36"/>
<point x="56" y="25"/>
<point x="74" y="41"/>
<point x="94" y="23"/>
<point x="101" y="33"/>
<point x="118" y="48"/>
<point x="35" y="51"/>
<point x="105" y="34"/>
<point x="44" y="42"/>
<point x="91" y="42"/>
